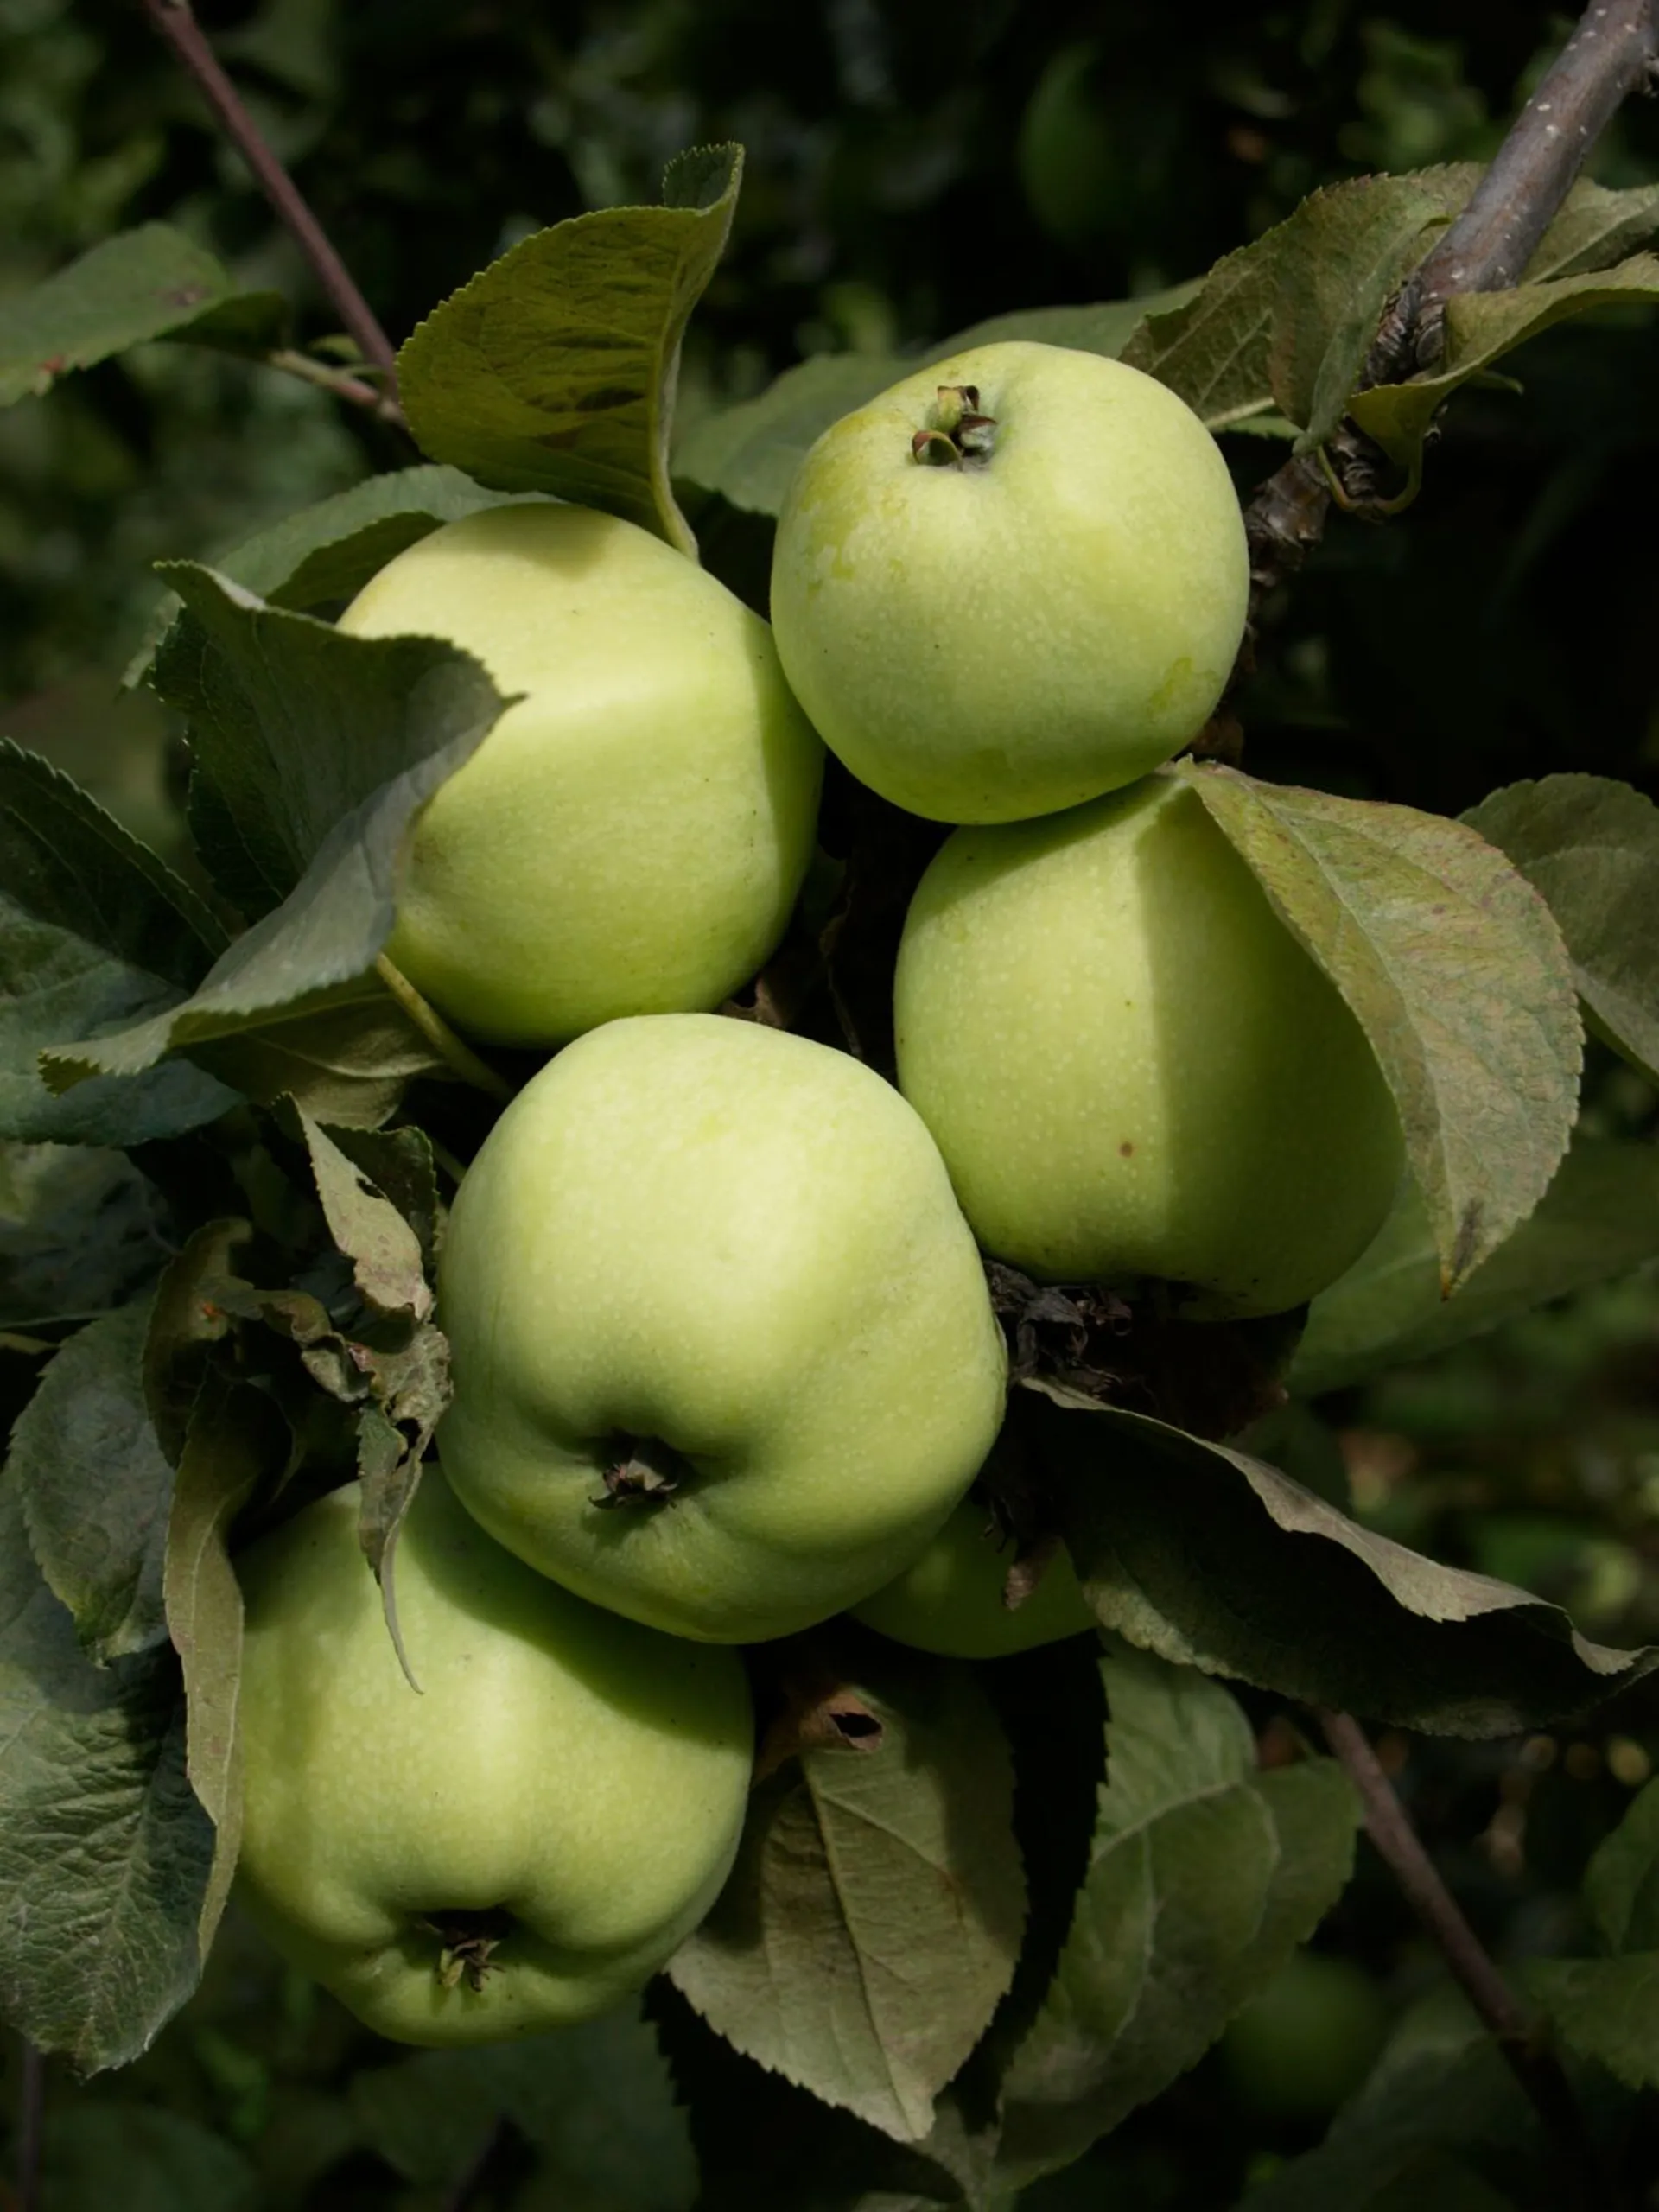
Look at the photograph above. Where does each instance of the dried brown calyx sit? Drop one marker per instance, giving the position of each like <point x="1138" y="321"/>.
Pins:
<point x="468" y="1942"/>
<point x="640" y="1471"/>
<point x="957" y="435"/>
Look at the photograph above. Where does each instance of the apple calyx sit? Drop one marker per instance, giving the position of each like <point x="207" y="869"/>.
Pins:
<point x="1019" y="1516"/>
<point x="640" y="1471"/>
<point x="467" y="1941"/>
<point x="959" y="435"/>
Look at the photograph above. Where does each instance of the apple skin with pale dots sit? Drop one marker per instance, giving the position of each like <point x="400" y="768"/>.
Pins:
<point x="952" y="1601"/>
<point x="631" y="836"/>
<point x="1131" y="1066"/>
<point x="723" y="1353"/>
<point x="1043" y="619"/>
<point x="519" y="1843"/>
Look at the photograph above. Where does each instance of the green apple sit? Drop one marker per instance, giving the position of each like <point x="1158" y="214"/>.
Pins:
<point x="630" y="836"/>
<point x="952" y="1599"/>
<point x="521" y="1843"/>
<point x="1095" y="141"/>
<point x="724" y="1356"/>
<point x="1045" y="616"/>
<point x="1131" y="1066"/>
<point x="1304" y="2046"/>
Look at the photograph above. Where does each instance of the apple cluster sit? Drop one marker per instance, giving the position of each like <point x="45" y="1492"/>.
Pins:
<point x="724" y="1357"/>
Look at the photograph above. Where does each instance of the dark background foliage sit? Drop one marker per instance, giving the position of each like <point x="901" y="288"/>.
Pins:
<point x="909" y="170"/>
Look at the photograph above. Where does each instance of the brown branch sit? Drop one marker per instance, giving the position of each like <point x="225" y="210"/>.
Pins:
<point x="1613" y="52"/>
<point x="1534" y="2064"/>
<point x="175" y="21"/>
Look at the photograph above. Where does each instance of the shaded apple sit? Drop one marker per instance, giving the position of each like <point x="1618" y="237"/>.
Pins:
<point x="1132" y="1068"/>
<point x="518" y="1844"/>
<point x="954" y="1598"/>
<point x="631" y="836"/>
<point x="724" y="1356"/>
<point x="1046" y="613"/>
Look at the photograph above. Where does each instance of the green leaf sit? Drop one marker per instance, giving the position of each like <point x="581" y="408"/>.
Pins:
<point x="150" y="283"/>
<point x="1621" y="1886"/>
<point x="1205" y="1874"/>
<point x="1592" y="847"/>
<point x="1282" y="326"/>
<point x="408" y="1390"/>
<point x="874" y="1916"/>
<point x="327" y="552"/>
<point x="1051" y="1702"/>
<point x="760" y="2141"/>
<point x="388" y="1263"/>
<point x="748" y="453"/>
<point x="1480" y="328"/>
<point x="595" y="2100"/>
<point x="346" y="1056"/>
<point x="399" y="1163"/>
<point x="554" y="370"/>
<point x="314" y="750"/>
<point x="1214" y="1560"/>
<point x="1599" y="1218"/>
<point x="409" y="1375"/>
<point x="108" y="1852"/>
<point x="231" y="1443"/>
<point x="185" y="1324"/>
<point x="95" y="932"/>
<point x="1100" y="327"/>
<point x="298" y="729"/>
<point x="81" y="1231"/>
<point x="143" y="2159"/>
<point x="94" y="1487"/>
<point x="1285" y="323"/>
<point x="1605" y="2009"/>
<point x="1454" y="968"/>
<point x="1595" y="228"/>
<point x="1442" y="2130"/>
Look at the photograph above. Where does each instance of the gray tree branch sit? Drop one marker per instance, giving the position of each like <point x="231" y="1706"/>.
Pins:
<point x="1613" y="52"/>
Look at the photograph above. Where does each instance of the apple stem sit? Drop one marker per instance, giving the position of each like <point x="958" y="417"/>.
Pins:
<point x="456" y="1054"/>
<point x="1535" y="2065"/>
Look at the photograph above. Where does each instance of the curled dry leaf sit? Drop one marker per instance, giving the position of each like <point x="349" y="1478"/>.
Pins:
<point x="1209" y="1378"/>
<point x="814" y="1706"/>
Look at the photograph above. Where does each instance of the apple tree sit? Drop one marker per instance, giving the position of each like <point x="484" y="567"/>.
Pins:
<point x="1031" y="1830"/>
